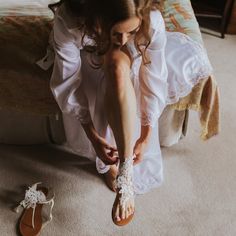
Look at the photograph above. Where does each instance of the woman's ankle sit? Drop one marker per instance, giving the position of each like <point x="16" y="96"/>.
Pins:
<point x="126" y="159"/>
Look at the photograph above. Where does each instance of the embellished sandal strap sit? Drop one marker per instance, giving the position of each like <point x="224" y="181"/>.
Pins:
<point x="34" y="197"/>
<point x="50" y="213"/>
<point x="124" y="180"/>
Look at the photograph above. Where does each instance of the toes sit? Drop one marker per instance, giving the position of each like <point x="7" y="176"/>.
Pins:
<point x="123" y="213"/>
<point x="130" y="210"/>
<point x="117" y="217"/>
<point x="132" y="207"/>
<point x="127" y="212"/>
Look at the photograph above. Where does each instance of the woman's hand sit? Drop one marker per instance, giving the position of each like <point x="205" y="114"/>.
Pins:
<point x="141" y="143"/>
<point x="105" y="151"/>
<point x="138" y="150"/>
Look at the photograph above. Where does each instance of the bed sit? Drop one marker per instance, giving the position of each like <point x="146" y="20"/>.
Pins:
<point x="28" y="111"/>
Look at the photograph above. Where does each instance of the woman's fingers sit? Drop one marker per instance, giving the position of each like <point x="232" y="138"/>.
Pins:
<point x="109" y="158"/>
<point x="108" y="153"/>
<point x="137" y="159"/>
<point x="105" y="151"/>
<point x="138" y="151"/>
<point x="137" y="154"/>
<point x="111" y="154"/>
<point x="107" y="146"/>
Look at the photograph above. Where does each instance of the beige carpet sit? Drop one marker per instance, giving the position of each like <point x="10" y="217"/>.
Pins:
<point x="198" y="197"/>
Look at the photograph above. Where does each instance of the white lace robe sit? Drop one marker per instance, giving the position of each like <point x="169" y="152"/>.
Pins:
<point x="177" y="64"/>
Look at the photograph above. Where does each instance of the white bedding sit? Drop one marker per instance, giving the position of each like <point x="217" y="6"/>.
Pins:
<point x="26" y="7"/>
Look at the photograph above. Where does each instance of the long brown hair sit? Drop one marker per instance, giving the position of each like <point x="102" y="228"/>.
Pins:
<point x="97" y="17"/>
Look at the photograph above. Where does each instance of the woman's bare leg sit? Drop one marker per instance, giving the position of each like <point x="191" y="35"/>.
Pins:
<point x="120" y="103"/>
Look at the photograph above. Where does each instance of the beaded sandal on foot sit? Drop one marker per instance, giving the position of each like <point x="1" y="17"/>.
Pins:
<point x="31" y="221"/>
<point x="125" y="192"/>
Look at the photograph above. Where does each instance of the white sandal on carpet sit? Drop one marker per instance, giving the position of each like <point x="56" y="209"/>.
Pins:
<point x="31" y="219"/>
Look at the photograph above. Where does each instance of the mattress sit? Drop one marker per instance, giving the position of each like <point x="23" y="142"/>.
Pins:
<point x="26" y="8"/>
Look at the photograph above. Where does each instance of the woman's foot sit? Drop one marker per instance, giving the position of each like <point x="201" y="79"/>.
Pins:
<point x="122" y="214"/>
<point x="110" y="177"/>
<point x="123" y="207"/>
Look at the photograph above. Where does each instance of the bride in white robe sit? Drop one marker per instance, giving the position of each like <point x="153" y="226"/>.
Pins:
<point x="177" y="65"/>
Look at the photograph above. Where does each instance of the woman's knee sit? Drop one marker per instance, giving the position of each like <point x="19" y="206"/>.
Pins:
<point x="117" y="69"/>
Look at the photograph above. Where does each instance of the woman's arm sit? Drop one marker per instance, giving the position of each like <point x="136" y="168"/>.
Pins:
<point x="145" y="133"/>
<point x="153" y="76"/>
<point x="141" y="143"/>
<point x="66" y="79"/>
<point x="67" y="86"/>
<point x="153" y="84"/>
<point x="90" y="131"/>
<point x="104" y="150"/>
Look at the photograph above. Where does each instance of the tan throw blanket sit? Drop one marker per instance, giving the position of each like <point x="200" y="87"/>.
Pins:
<point x="204" y="98"/>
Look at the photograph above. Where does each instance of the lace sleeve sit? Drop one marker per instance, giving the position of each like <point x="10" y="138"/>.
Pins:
<point x="153" y="76"/>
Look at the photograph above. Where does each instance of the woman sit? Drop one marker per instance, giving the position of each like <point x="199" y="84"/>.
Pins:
<point x="115" y="70"/>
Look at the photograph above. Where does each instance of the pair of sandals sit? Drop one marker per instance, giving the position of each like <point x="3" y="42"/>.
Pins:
<point x="36" y="196"/>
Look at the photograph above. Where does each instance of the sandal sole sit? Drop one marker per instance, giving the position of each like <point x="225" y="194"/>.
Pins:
<point x="121" y="222"/>
<point x="25" y="225"/>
